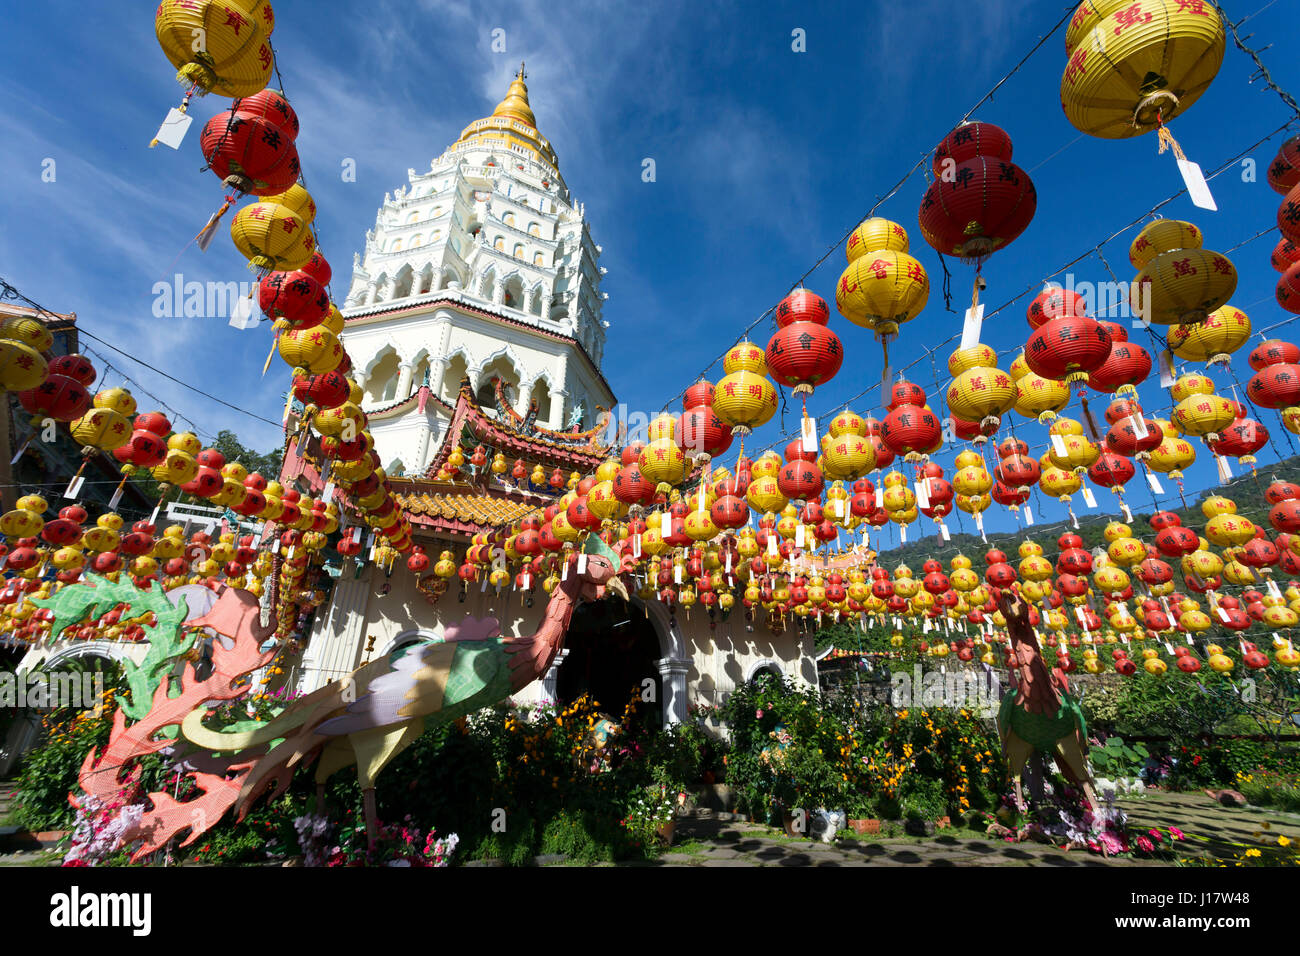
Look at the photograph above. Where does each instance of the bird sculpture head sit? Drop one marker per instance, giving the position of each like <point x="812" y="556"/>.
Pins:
<point x="601" y="574"/>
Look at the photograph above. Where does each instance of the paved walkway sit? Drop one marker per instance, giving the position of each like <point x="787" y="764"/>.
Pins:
<point x="718" y="840"/>
<point x="1211" y="829"/>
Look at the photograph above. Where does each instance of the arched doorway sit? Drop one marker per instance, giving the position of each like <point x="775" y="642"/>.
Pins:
<point x="611" y="652"/>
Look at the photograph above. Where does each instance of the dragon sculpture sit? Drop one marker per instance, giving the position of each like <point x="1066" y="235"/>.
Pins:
<point x="365" y="718"/>
<point x="1038" y="713"/>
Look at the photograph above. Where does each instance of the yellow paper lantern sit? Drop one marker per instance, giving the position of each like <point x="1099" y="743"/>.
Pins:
<point x="220" y="46"/>
<point x="272" y="237"/>
<point x="1213" y="341"/>
<point x="315" y="350"/>
<point x="1131" y="65"/>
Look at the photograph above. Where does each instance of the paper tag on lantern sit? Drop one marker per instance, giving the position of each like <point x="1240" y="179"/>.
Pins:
<point x="582" y="562"/>
<point x="275" y="545"/>
<point x="922" y="494"/>
<point x="810" y="435"/>
<point x="242" y="314"/>
<point x="1273" y="589"/>
<point x="153" y="518"/>
<point x="1139" y="425"/>
<point x="839" y="507"/>
<point x="1058" y="445"/>
<point x="1128" y="513"/>
<point x="1029" y="515"/>
<point x="880" y="498"/>
<point x="703" y="501"/>
<point x="1088" y="497"/>
<point x="173" y="128"/>
<point x="902" y="533"/>
<point x="970" y="330"/>
<point x="772" y="548"/>
<point x="564" y="571"/>
<point x="1154" y="482"/>
<point x="636" y="546"/>
<point x="74" y="487"/>
<point x="798" y="536"/>
<point x="483" y="587"/>
<point x="1170" y="648"/>
<point x="677" y="574"/>
<point x="117" y="496"/>
<point x="943" y="531"/>
<point x="727" y="563"/>
<point x="528" y="580"/>
<point x="925" y="626"/>
<point x="1166" y="359"/>
<point x="370" y="541"/>
<point x="1197" y="188"/>
<point x="289" y="556"/>
<point x="666" y="524"/>
<point x="979" y="523"/>
<point x="328" y="494"/>
<point x="1225" y="470"/>
<point x="1224" y="616"/>
<point x="1074" y="520"/>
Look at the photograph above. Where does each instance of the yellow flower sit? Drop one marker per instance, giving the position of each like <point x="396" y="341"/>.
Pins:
<point x="1252" y="853"/>
<point x="1283" y="841"/>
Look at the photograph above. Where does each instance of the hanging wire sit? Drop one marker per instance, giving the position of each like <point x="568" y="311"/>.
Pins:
<point x="8" y="291"/>
<point x="880" y="201"/>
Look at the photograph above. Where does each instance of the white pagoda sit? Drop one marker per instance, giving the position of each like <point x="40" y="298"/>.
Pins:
<point x="482" y="268"/>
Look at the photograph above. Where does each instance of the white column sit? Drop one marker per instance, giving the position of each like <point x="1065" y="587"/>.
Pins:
<point x="672" y="674"/>
<point x="339" y="636"/>
<point x="559" y="408"/>
<point x="552" y="676"/>
<point x="404" y="380"/>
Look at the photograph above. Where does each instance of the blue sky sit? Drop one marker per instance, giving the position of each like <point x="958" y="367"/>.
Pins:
<point x="764" y="158"/>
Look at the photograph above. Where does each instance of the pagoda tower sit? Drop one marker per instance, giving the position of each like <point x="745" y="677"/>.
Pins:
<point x="481" y="269"/>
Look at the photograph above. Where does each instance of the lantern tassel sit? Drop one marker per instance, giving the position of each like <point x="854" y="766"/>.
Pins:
<point x="204" y="238"/>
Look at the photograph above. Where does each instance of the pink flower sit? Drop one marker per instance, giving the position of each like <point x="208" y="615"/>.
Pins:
<point x="758" y="714"/>
<point x="1144" y="844"/>
<point x="1176" y="833"/>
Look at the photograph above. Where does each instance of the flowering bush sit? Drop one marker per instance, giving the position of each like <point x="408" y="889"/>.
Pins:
<point x="397" y="845"/>
<point x="98" y="829"/>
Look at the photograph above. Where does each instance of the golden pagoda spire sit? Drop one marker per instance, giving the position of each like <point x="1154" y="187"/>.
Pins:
<point x="515" y="105"/>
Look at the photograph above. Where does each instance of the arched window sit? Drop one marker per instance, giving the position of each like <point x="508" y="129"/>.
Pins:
<point x="500" y="244"/>
<point x="413" y="217"/>
<point x="381" y="384"/>
<point x="417" y="241"/>
<point x="508" y="219"/>
<point x="519" y="250"/>
<point x="397" y="246"/>
<point x="534" y="229"/>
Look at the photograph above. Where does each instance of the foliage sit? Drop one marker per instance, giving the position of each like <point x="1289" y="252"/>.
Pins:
<point x="1116" y="759"/>
<point x="48" y="773"/>
<point x="1268" y="788"/>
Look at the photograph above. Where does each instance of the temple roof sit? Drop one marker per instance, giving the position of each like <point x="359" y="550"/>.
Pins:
<point x="511" y="123"/>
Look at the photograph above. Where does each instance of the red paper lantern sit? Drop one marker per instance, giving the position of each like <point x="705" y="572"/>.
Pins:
<point x="1111" y="470"/>
<point x="1068" y="348"/>
<point x="59" y="397"/>
<point x="1126" y="367"/>
<point x="1288" y="289"/>
<point x="1053" y="303"/>
<point x="1275" y="386"/>
<point x="1285" y="254"/>
<point x="979" y="204"/>
<point x="1273" y="352"/>
<point x="249" y="154"/>
<point x="804" y="353"/>
<point x="295" y="297"/>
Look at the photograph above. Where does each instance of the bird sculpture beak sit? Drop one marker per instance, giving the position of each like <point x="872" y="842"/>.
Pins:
<point x="616" y="585"/>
